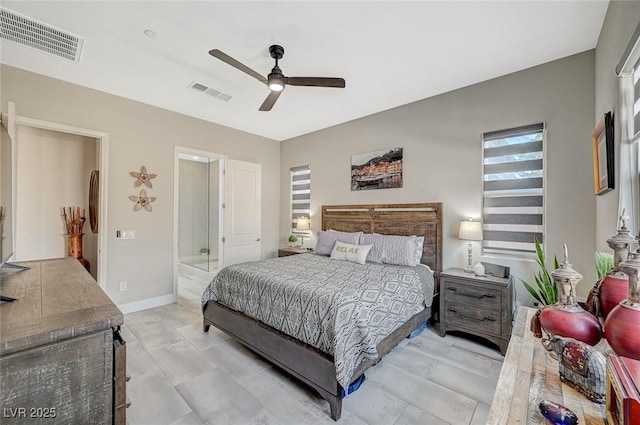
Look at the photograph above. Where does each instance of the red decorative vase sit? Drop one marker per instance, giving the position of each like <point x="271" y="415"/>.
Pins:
<point x="566" y="318"/>
<point x="622" y="327"/>
<point x="571" y="321"/>
<point x="613" y="289"/>
<point x="622" y="330"/>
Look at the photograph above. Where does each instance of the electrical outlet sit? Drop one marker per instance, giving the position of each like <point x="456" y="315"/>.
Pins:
<point x="123" y="285"/>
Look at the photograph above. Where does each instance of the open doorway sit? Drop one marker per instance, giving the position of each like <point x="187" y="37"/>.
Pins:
<point x="199" y="190"/>
<point x="55" y="169"/>
<point x="58" y="139"/>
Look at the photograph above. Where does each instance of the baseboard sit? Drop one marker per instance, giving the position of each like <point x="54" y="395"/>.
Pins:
<point x="146" y="304"/>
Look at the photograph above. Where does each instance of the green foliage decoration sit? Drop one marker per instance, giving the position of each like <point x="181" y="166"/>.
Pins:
<point x="604" y="263"/>
<point x="545" y="291"/>
<point x="293" y="238"/>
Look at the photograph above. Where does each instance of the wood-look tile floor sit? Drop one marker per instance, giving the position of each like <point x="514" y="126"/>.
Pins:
<point x="181" y="375"/>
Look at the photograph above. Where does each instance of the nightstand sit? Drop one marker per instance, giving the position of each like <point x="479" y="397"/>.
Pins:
<point x="478" y="305"/>
<point x="292" y="250"/>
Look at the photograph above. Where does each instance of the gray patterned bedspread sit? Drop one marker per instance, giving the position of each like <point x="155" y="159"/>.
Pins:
<point x="341" y="308"/>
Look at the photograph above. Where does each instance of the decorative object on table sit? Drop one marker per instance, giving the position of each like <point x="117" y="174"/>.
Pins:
<point x="142" y="201"/>
<point x="622" y="326"/>
<point x="74" y="219"/>
<point x="142" y="177"/>
<point x="546" y="291"/>
<point x="94" y="189"/>
<point x="580" y="365"/>
<point x="478" y="270"/>
<point x="292" y="240"/>
<point x="613" y="288"/>
<point x="470" y="231"/>
<point x="557" y="414"/>
<point x="623" y="391"/>
<point x="603" y="159"/>
<point x="496" y="270"/>
<point x="377" y="170"/>
<point x="566" y="317"/>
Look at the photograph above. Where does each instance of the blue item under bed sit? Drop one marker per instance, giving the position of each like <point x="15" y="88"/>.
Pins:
<point x="354" y="386"/>
<point x="417" y="331"/>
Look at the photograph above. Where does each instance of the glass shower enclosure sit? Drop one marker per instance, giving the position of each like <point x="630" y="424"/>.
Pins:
<point x="199" y="211"/>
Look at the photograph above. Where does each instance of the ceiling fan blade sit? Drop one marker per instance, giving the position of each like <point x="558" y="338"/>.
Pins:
<point x="270" y="100"/>
<point x="316" y="82"/>
<point x="238" y="65"/>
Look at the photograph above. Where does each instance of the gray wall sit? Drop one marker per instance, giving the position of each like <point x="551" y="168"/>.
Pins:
<point x="442" y="157"/>
<point x="139" y="135"/>
<point x="620" y="22"/>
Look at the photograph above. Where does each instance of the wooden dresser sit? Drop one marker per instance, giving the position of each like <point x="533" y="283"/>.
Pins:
<point x="285" y="252"/>
<point x="529" y="373"/>
<point x="478" y="305"/>
<point x="62" y="360"/>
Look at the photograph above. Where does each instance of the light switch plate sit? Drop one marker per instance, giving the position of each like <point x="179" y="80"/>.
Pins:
<point x="126" y="234"/>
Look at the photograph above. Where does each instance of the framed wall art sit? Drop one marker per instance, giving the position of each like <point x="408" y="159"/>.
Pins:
<point x="377" y="170"/>
<point x="603" y="159"/>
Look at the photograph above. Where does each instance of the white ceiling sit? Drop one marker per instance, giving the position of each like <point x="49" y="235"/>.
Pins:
<point x="390" y="53"/>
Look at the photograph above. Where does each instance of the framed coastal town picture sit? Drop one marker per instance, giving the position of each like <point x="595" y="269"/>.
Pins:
<point x="377" y="170"/>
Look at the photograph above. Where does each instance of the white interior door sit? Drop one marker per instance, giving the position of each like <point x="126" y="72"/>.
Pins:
<point x="242" y="213"/>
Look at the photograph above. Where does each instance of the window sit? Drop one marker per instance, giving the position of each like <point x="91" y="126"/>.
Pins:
<point x="628" y="71"/>
<point x="300" y="195"/>
<point x="513" y="189"/>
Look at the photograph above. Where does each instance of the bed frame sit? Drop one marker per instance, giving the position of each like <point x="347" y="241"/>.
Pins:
<point x="307" y="363"/>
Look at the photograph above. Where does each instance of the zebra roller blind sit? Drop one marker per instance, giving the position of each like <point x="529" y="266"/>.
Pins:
<point x="636" y="101"/>
<point x="513" y="189"/>
<point x="300" y="194"/>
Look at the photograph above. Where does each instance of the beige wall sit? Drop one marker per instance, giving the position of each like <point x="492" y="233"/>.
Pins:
<point x="139" y="135"/>
<point x="53" y="171"/>
<point x="620" y="22"/>
<point x="442" y="157"/>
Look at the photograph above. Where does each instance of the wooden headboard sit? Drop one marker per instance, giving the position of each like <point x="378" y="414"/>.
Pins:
<point x="393" y="219"/>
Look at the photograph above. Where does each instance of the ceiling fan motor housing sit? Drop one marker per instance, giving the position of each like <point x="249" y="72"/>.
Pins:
<point x="276" y="52"/>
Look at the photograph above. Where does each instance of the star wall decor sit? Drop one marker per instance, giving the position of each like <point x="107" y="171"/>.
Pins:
<point x="142" y="201"/>
<point x="143" y="177"/>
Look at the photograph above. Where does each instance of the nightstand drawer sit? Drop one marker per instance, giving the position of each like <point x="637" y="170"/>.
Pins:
<point x="484" y="296"/>
<point x="474" y="318"/>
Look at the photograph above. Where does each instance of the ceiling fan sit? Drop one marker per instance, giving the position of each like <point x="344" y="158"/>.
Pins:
<point x="276" y="80"/>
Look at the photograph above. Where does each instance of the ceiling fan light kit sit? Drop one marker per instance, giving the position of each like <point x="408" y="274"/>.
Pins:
<point x="276" y="80"/>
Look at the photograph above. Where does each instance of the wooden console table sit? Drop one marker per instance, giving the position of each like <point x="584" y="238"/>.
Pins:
<point x="62" y="360"/>
<point x="530" y="374"/>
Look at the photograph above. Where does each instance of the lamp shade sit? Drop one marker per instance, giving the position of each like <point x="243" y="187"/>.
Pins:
<point x="302" y="223"/>
<point x="470" y="230"/>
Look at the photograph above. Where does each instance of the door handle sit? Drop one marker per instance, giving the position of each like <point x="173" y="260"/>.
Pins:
<point x="258" y="240"/>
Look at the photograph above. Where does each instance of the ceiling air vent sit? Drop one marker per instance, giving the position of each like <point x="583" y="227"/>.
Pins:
<point x="211" y="92"/>
<point x="40" y="36"/>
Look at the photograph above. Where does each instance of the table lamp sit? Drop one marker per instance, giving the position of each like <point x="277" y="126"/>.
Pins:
<point x="302" y="225"/>
<point x="470" y="231"/>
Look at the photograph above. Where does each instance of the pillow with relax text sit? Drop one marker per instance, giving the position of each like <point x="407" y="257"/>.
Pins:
<point x="349" y="252"/>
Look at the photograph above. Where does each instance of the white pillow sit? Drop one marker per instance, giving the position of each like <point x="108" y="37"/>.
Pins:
<point x="394" y="249"/>
<point x="349" y="252"/>
<point x="326" y="240"/>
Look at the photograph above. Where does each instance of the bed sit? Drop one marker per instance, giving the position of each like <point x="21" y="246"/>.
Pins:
<point x="306" y="356"/>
